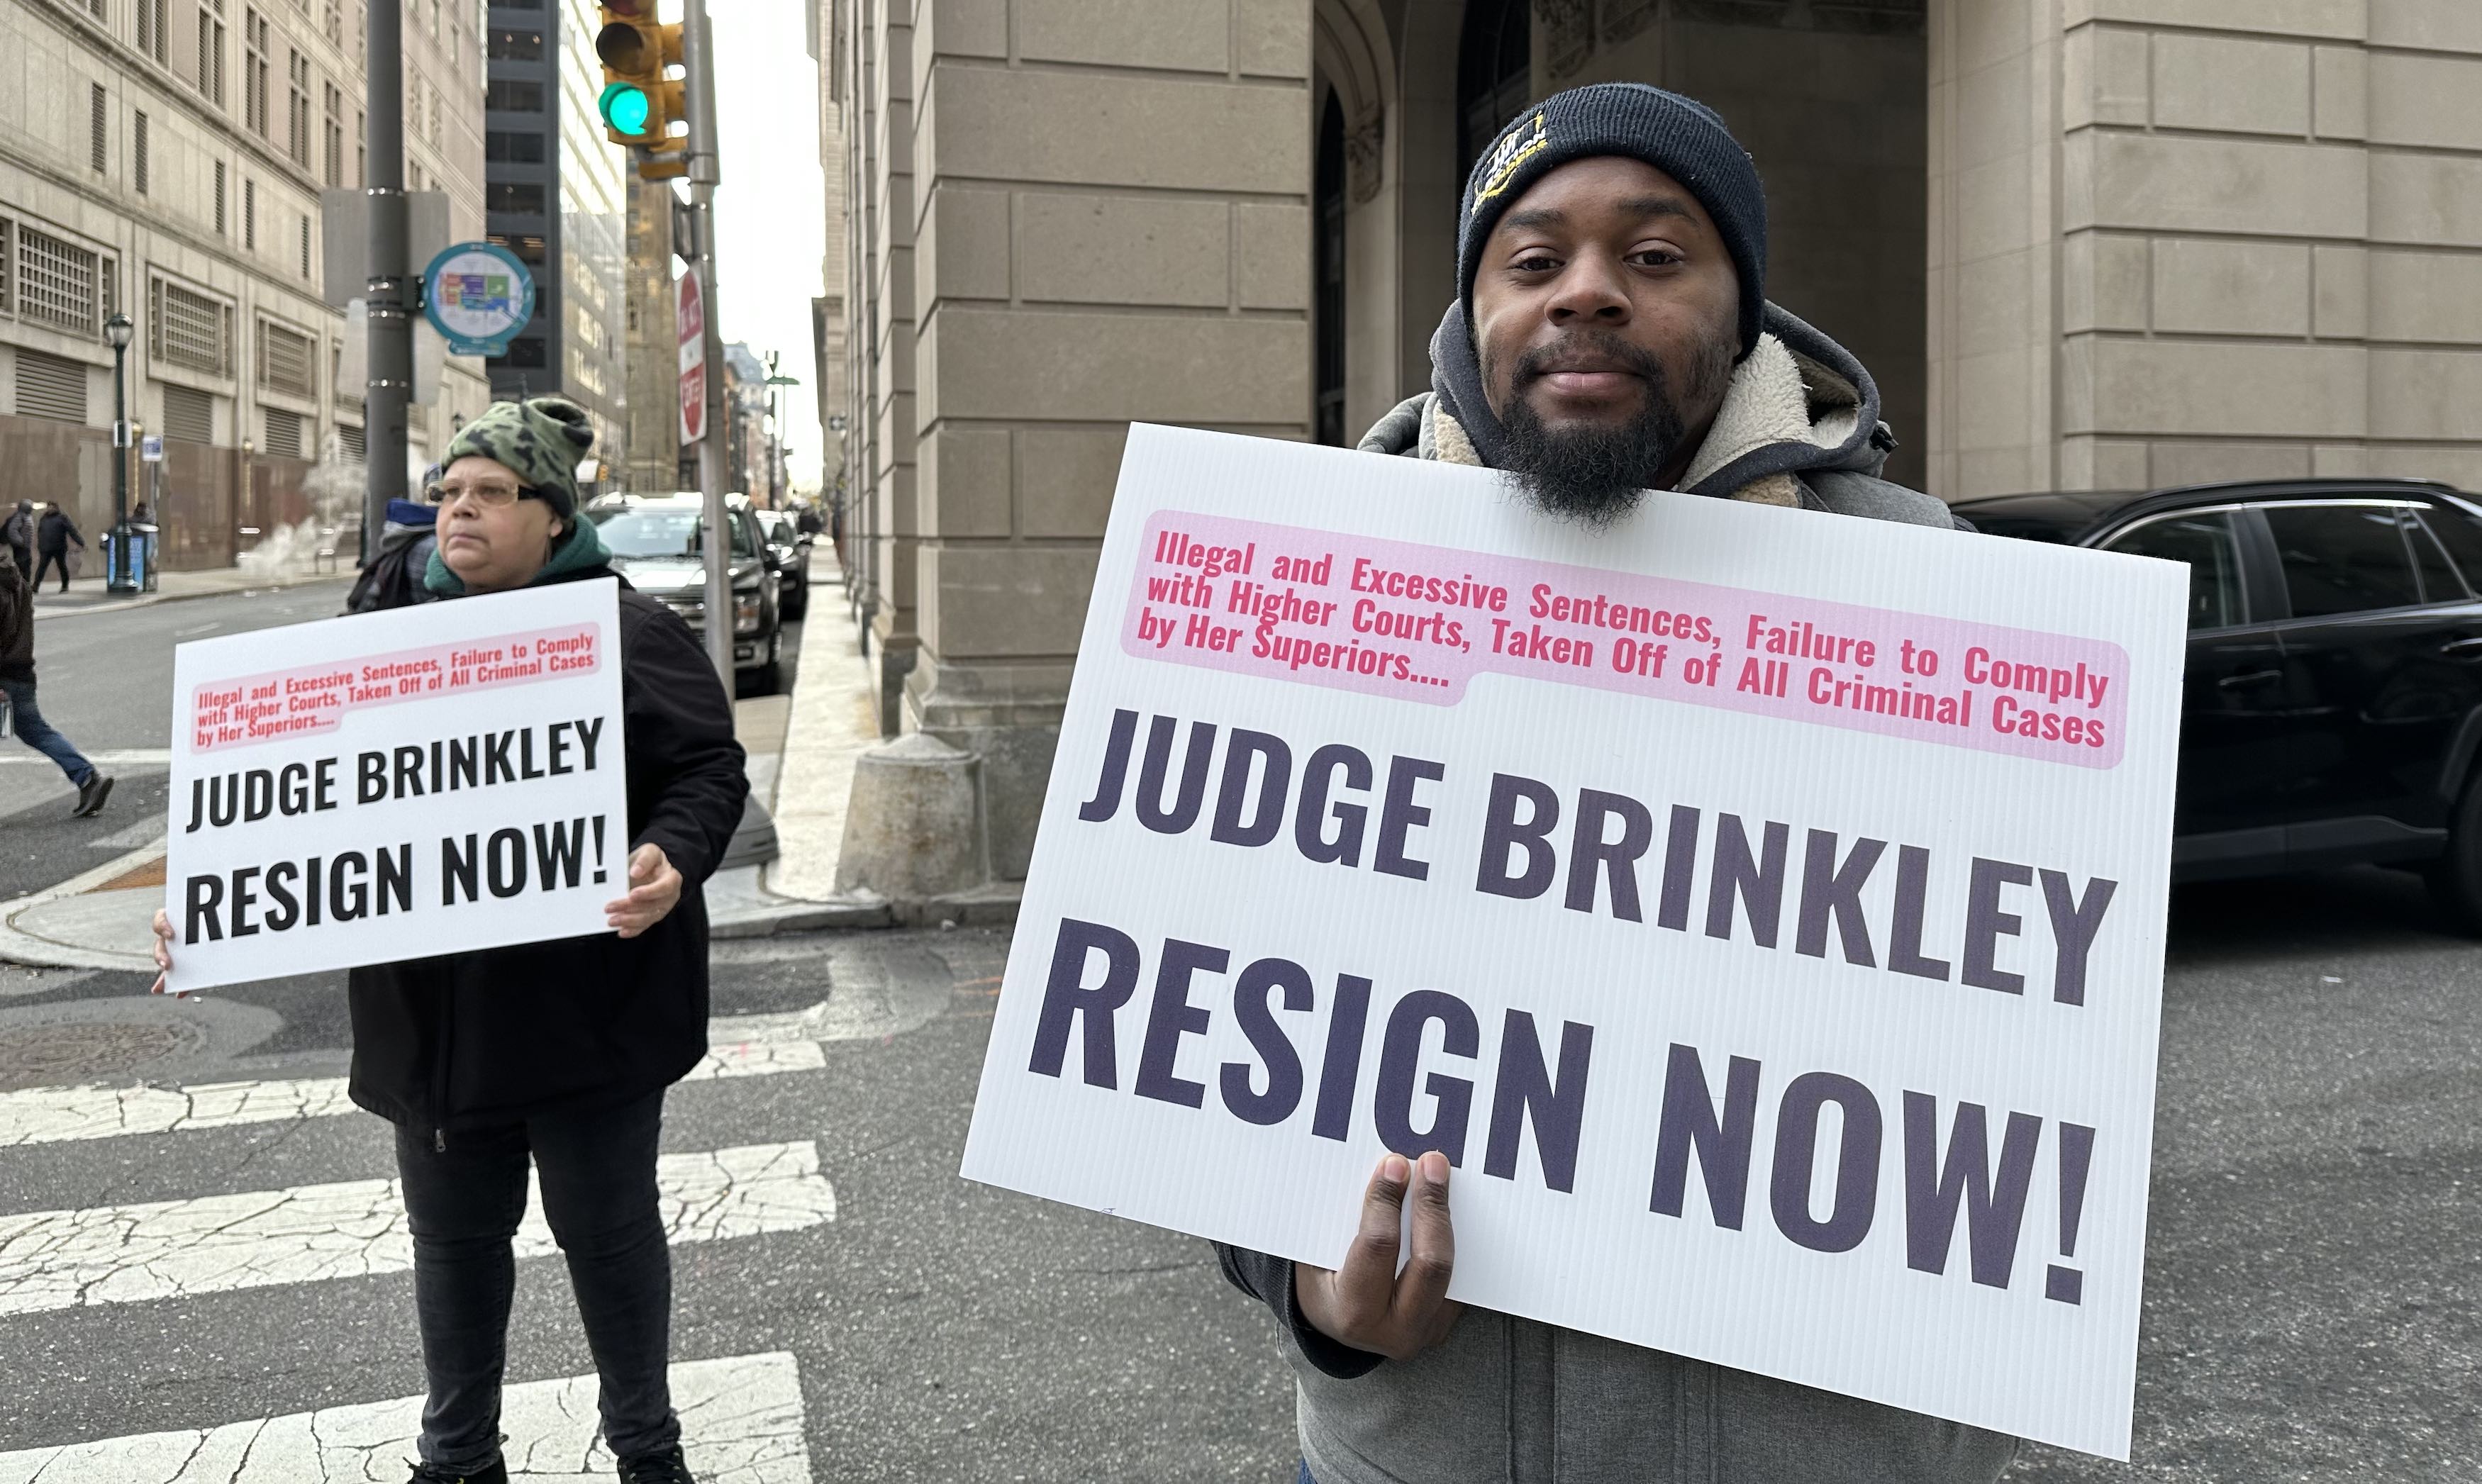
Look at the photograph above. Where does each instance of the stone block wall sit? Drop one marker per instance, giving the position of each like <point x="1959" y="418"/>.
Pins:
<point x="2175" y="241"/>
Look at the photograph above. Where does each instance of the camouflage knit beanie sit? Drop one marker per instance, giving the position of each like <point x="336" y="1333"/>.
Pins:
<point x="541" y="439"/>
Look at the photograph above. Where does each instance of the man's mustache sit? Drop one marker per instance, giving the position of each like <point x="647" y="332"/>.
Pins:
<point x="1601" y="345"/>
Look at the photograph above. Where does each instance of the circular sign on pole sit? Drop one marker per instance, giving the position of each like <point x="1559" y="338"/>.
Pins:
<point x="477" y="295"/>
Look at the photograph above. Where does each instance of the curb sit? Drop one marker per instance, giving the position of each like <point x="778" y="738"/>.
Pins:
<point x="16" y="948"/>
<point x="989" y="907"/>
<point x="150" y="600"/>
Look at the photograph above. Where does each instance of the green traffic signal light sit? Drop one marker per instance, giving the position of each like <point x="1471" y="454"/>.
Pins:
<point x="625" y="107"/>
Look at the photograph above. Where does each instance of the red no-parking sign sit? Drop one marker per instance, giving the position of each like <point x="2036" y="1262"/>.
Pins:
<point x="692" y="316"/>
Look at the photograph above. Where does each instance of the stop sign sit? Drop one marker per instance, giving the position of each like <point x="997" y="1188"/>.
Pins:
<point x="691" y="313"/>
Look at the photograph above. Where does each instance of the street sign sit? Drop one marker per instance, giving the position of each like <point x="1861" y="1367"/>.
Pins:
<point x="477" y="295"/>
<point x="150" y="449"/>
<point x="121" y="433"/>
<point x="691" y="317"/>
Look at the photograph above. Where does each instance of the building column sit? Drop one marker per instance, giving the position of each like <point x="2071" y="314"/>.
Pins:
<point x="1113" y="226"/>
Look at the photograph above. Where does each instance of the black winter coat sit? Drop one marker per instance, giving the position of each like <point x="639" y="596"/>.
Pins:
<point x="477" y="1040"/>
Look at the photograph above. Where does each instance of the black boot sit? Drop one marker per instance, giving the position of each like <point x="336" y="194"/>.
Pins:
<point x="91" y="793"/>
<point x="664" y="1468"/>
<point x="432" y="1473"/>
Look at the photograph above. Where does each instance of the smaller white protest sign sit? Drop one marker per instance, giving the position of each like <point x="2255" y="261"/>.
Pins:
<point x="396" y="786"/>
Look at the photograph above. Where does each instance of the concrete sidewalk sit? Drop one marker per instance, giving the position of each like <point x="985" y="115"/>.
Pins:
<point x="86" y="594"/>
<point x="802" y="750"/>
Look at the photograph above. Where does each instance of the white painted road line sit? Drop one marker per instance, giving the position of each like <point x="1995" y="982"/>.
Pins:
<point x="741" y="1423"/>
<point x="108" y="758"/>
<point x="255" y="1239"/>
<point x="744" y="1046"/>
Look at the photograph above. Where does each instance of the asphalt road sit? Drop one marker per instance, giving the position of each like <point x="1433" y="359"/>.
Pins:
<point x="2312" y="1306"/>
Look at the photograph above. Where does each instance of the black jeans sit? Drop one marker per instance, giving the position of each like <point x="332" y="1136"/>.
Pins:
<point x="597" y="1171"/>
<point x="49" y="559"/>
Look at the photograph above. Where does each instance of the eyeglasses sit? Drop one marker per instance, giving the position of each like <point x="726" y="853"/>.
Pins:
<point x="491" y="494"/>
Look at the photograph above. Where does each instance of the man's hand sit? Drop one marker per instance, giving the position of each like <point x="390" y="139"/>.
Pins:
<point x="655" y="889"/>
<point x="163" y="953"/>
<point x="1367" y="1304"/>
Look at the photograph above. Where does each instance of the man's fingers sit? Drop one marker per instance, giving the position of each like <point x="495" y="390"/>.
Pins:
<point x="1424" y="1286"/>
<point x="1369" y="1270"/>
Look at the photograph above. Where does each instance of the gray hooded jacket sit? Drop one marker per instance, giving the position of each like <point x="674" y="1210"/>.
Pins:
<point x="1505" y="1400"/>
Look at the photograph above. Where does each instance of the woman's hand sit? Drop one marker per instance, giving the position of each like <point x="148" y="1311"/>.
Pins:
<point x="654" y="890"/>
<point x="163" y="954"/>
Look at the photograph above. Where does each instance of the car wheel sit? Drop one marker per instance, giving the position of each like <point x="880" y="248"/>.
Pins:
<point x="2455" y="878"/>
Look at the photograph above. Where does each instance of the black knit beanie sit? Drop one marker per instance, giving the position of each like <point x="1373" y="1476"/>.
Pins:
<point x="1680" y="137"/>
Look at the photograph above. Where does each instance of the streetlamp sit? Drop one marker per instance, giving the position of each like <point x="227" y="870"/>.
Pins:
<point x="776" y="431"/>
<point x="120" y="574"/>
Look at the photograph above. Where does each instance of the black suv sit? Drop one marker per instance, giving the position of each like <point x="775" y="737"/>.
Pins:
<point x="655" y="543"/>
<point x="2334" y="692"/>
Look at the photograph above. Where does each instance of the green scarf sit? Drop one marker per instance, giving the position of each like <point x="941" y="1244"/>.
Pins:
<point x="582" y="548"/>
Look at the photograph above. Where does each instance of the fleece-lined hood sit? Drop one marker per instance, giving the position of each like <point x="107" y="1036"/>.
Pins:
<point x="1798" y="404"/>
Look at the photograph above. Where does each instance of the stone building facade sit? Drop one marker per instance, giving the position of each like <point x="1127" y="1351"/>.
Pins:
<point x="2081" y="243"/>
<point x="164" y="158"/>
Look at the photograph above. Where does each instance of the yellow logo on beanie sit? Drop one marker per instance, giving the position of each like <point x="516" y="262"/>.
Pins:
<point x="1513" y="152"/>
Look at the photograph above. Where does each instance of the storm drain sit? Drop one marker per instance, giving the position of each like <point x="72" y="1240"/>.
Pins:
<point x="82" y="1052"/>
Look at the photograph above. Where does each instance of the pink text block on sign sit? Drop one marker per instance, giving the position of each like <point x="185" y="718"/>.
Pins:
<point x="1417" y="622"/>
<point x="313" y="699"/>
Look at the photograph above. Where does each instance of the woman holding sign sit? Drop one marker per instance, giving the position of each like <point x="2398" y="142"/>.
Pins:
<point x="555" y="1051"/>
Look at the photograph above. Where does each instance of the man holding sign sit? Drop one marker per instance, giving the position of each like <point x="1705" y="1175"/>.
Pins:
<point x="1759" y="912"/>
<point x="555" y="1051"/>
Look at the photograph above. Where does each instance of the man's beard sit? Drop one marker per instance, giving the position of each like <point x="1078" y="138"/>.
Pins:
<point x="1597" y="472"/>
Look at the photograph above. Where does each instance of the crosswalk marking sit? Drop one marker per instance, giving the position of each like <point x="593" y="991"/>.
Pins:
<point x="741" y="1423"/>
<point x="737" y="1047"/>
<point x="174" y="1249"/>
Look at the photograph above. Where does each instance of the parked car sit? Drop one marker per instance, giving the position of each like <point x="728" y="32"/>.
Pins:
<point x="2333" y="698"/>
<point x="655" y="541"/>
<point x="792" y="548"/>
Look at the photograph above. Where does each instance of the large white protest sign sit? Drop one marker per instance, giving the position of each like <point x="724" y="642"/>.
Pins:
<point x="1763" y="910"/>
<point x="398" y="784"/>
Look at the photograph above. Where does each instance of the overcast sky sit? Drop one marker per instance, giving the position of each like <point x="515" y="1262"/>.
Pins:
<point x="771" y="203"/>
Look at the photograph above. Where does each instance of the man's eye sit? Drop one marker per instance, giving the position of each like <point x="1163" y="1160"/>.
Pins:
<point x="1537" y="262"/>
<point x="1654" y="258"/>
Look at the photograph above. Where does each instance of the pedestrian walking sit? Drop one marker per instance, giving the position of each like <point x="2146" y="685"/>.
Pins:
<point x="17" y="532"/>
<point x="557" y="1051"/>
<point x="54" y="535"/>
<point x="17" y="688"/>
<point x="1611" y="335"/>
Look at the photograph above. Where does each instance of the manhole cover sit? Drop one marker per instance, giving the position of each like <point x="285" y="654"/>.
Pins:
<point x="42" y="1056"/>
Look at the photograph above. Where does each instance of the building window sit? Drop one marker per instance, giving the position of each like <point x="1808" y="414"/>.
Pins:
<point x="98" y="116"/>
<point x="333" y="133"/>
<point x="350" y="443"/>
<point x="336" y="24"/>
<point x="526" y="354"/>
<point x="516" y="46"/>
<point x="50" y="387"/>
<point x="305" y="247"/>
<point x="151" y="30"/>
<point x="186" y="328"/>
<point x="513" y="147"/>
<point x="287" y="360"/>
<point x="189" y="414"/>
<point x="249" y="215"/>
<point x="253" y="72"/>
<point x="138" y="148"/>
<point x="296" y="110"/>
<point x="361" y="149"/>
<point x="58" y="282"/>
<point x="527" y="246"/>
<point x="511" y="96"/>
<point x="211" y="51"/>
<point x="283" y="439"/>
<point x="524" y="196"/>
<point x="220" y="198"/>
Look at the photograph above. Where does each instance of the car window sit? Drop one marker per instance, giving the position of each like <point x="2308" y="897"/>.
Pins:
<point x="2207" y="546"/>
<point x="2462" y="535"/>
<point x="2439" y="583"/>
<point x="2343" y="558"/>
<point x="661" y="533"/>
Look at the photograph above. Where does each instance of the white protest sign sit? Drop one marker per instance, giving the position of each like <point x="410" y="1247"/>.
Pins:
<point x="394" y="785"/>
<point x="1763" y="910"/>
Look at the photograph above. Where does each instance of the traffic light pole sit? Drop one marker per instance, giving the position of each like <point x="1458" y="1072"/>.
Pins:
<point x="390" y="322"/>
<point x="697" y="66"/>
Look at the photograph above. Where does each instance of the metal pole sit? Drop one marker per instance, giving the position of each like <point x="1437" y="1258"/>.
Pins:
<point x="698" y="67"/>
<point x="390" y="383"/>
<point x="121" y="451"/>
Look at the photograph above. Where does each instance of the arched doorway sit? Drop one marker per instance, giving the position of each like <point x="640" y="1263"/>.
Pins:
<point x="1494" y="74"/>
<point x="1327" y="267"/>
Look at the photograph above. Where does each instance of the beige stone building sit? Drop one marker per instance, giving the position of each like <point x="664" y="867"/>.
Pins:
<point x="2081" y="243"/>
<point x="164" y="158"/>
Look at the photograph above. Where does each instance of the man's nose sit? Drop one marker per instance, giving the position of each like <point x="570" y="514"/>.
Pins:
<point x="1589" y="289"/>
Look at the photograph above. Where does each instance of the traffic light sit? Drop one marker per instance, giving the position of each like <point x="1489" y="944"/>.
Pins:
<point x="639" y="102"/>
